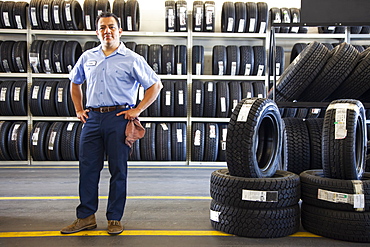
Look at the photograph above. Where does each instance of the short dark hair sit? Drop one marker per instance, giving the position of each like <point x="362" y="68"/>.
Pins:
<point x="106" y="14"/>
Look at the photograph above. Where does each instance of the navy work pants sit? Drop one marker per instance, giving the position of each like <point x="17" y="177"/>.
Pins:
<point x="103" y="132"/>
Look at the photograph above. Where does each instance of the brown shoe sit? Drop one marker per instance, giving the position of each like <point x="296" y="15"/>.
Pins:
<point x="114" y="227"/>
<point x="80" y="224"/>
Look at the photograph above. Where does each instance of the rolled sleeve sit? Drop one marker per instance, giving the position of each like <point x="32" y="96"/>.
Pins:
<point x="77" y="74"/>
<point x="143" y="73"/>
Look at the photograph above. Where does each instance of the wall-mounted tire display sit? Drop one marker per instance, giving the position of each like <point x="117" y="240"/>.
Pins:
<point x="13" y="137"/>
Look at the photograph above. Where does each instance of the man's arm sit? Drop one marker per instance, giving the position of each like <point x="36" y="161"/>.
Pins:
<point x="77" y="96"/>
<point x="150" y="96"/>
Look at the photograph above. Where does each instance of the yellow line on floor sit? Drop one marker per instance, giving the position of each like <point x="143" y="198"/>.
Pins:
<point x="131" y="233"/>
<point x="5" y="198"/>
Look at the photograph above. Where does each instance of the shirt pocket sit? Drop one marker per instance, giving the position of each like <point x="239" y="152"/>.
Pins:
<point x="122" y="75"/>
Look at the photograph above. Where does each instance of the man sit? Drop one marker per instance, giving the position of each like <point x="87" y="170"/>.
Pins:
<point x="113" y="74"/>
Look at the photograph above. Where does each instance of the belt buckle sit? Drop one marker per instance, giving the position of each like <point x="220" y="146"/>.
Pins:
<point x="103" y="109"/>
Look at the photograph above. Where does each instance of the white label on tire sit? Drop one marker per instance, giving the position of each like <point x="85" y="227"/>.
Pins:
<point x="35" y="136"/>
<point x="315" y="111"/>
<point x="340" y="123"/>
<point x="198" y="18"/>
<point x="129" y="23"/>
<point x="212" y="131"/>
<point x="215" y="216"/>
<point x="70" y="126"/>
<point x="164" y="126"/>
<point x="210" y="87"/>
<point x="182" y="18"/>
<point x="3" y="94"/>
<point x="235" y="103"/>
<point x="261" y="67"/>
<point x="252" y="24"/>
<point x="233" y="68"/>
<point x="331" y="196"/>
<point x="45" y="13"/>
<point x="35" y="92"/>
<point x="278" y="68"/>
<point x="47" y="66"/>
<point x="241" y="26"/>
<point x="56" y="14"/>
<point x="260" y="196"/>
<point x="223" y="146"/>
<point x="58" y="67"/>
<point x="359" y="197"/>
<point x="197" y="138"/>
<point x="181" y="97"/>
<point x="87" y="21"/>
<point x="295" y="30"/>
<point x="33" y="16"/>
<point x="331" y="28"/>
<point x="223" y="104"/>
<point x="230" y="24"/>
<point x="168" y="98"/>
<point x="17" y="93"/>
<point x="244" y="112"/>
<point x="6" y="19"/>
<point x="179" y="68"/>
<point x="68" y="12"/>
<point x="60" y="95"/>
<point x="141" y="93"/>
<point x="220" y="68"/>
<point x="260" y="96"/>
<point x="52" y="140"/>
<point x="247" y="69"/>
<point x="18" y="20"/>
<point x="15" y="132"/>
<point x="209" y="16"/>
<point x="198" y="97"/>
<point x="198" y="69"/>
<point x="148" y="125"/>
<point x="249" y="94"/>
<point x="18" y="61"/>
<point x="179" y="135"/>
<point x="171" y="19"/>
<point x="47" y="93"/>
<point x="224" y="135"/>
<point x="262" y="27"/>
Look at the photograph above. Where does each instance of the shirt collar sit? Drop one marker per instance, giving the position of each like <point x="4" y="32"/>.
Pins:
<point x="121" y="48"/>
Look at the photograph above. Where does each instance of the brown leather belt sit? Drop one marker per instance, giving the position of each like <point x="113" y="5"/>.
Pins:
<point x="104" y="109"/>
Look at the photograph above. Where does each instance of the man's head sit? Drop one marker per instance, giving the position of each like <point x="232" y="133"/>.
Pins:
<point x="107" y="29"/>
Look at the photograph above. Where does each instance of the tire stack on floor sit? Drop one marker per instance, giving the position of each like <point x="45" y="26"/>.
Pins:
<point x="336" y="200"/>
<point x="252" y="198"/>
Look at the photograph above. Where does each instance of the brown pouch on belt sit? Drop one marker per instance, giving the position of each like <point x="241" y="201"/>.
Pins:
<point x="134" y="131"/>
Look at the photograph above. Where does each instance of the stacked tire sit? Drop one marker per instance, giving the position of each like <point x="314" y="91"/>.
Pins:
<point x="336" y="200"/>
<point x="13" y="141"/>
<point x="176" y="16"/>
<point x="252" y="198"/>
<point x="13" y="98"/>
<point x="288" y="16"/>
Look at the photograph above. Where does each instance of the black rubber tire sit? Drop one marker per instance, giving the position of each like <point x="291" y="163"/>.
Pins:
<point x="240" y="17"/>
<point x="219" y="58"/>
<point x="228" y="17"/>
<point x="198" y="60"/>
<point x="35" y="98"/>
<point x="57" y="15"/>
<point x="4" y="147"/>
<point x="181" y="98"/>
<point x="343" y="155"/>
<point x="315" y="186"/>
<point x="18" y="96"/>
<point x="78" y="138"/>
<point x="209" y="16"/>
<point x="223" y="99"/>
<point x="46" y="12"/>
<point x="131" y="45"/>
<point x="343" y="60"/>
<point x="168" y="59"/>
<point x="198" y="16"/>
<point x="34" y="14"/>
<point x="72" y="15"/>
<point x="285" y="18"/>
<point x="135" y="151"/>
<point x="17" y="141"/>
<point x="154" y="110"/>
<point x="5" y="98"/>
<point x="168" y="99"/>
<point x="252" y="17"/>
<point x="295" y="15"/>
<point x="147" y="143"/>
<point x="233" y="60"/>
<point x="235" y="91"/>
<point x="178" y="141"/>
<point x="19" y="56"/>
<point x="7" y="14"/>
<point x="52" y="144"/>
<point x="246" y="60"/>
<point x="155" y="58"/>
<point x="170" y="16"/>
<point x="275" y="17"/>
<point x="254" y="138"/>
<point x="298" y="146"/>
<point x="62" y="98"/>
<point x="20" y="15"/>
<point x="301" y="113"/>
<point x="102" y="6"/>
<point x="341" y="225"/>
<point x="68" y="141"/>
<point x="259" y="90"/>
<point x="301" y="72"/>
<point x="90" y="12"/>
<point x="48" y="101"/>
<point x="72" y="51"/>
<point x="142" y="50"/>
<point x="210" y="99"/>
<point x="222" y="142"/>
<point x="132" y="16"/>
<point x="163" y="140"/>
<point x="259" y="60"/>
<point x="181" y="60"/>
<point x="197" y="141"/>
<point x="6" y="61"/>
<point x="279" y="61"/>
<point x="119" y="11"/>
<point x="46" y="56"/>
<point x="211" y="140"/>
<point x="262" y="13"/>
<point x="289" y="112"/>
<point x="314" y="126"/>
<point x="296" y="50"/>
<point x="282" y="190"/>
<point x="255" y="223"/>
<point x="198" y="98"/>
<point x="58" y="57"/>
<point x="247" y="89"/>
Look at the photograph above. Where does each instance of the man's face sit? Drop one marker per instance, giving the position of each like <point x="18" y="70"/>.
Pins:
<point x="108" y="31"/>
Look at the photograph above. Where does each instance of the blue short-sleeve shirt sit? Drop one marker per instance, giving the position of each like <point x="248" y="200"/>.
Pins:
<point x="114" y="79"/>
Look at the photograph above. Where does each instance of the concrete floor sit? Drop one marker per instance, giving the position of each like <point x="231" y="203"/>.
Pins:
<point x="167" y="206"/>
